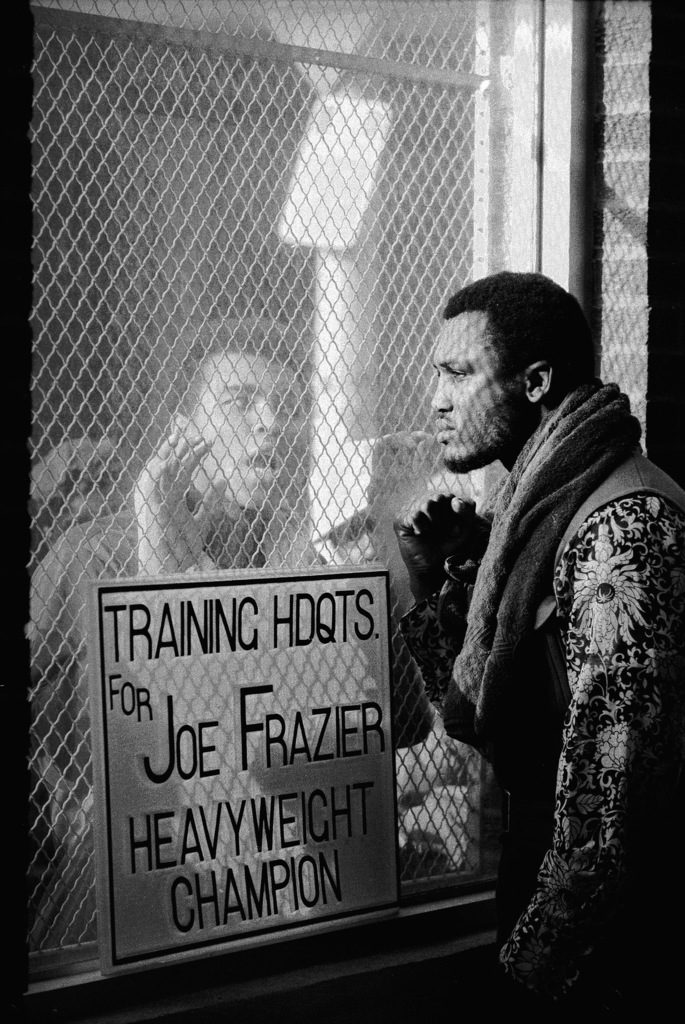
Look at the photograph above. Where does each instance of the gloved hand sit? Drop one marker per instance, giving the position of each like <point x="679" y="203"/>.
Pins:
<point x="431" y="530"/>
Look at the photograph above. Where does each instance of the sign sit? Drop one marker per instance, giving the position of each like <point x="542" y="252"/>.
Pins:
<point x="244" y="766"/>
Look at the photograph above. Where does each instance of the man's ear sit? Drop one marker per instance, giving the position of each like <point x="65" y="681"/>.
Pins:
<point x="537" y="381"/>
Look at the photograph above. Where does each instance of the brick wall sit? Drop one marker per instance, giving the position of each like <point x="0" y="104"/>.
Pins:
<point x="666" y="242"/>
<point x="622" y="133"/>
<point x="639" y="221"/>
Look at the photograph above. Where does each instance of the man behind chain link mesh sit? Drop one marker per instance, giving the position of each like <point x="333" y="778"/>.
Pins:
<point x="224" y="489"/>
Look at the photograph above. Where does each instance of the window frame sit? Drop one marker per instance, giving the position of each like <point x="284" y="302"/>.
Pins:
<point x="561" y="184"/>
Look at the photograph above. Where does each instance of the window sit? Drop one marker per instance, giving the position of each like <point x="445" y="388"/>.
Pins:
<point x="307" y="182"/>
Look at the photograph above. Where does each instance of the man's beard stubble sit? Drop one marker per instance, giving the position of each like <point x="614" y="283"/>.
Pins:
<point x="501" y="438"/>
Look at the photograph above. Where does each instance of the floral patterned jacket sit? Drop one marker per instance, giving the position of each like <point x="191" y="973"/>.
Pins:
<point x="620" y="595"/>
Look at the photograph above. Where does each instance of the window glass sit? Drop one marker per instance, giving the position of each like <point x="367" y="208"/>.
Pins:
<point x="247" y="220"/>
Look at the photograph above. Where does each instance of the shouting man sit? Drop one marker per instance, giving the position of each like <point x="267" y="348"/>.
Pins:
<point x="226" y="488"/>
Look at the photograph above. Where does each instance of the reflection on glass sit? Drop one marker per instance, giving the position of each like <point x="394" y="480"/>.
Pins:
<point x="224" y="489"/>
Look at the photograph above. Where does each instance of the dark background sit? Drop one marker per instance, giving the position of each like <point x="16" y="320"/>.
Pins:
<point x="398" y="990"/>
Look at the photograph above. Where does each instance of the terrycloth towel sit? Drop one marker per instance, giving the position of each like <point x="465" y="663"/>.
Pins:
<point x="573" y="450"/>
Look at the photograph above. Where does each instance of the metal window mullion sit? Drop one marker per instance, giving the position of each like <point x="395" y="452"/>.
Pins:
<point x="526" y="137"/>
<point x="565" y="214"/>
<point x="221" y="43"/>
<point x="481" y="146"/>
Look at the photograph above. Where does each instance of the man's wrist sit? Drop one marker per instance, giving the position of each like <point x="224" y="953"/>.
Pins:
<point x="425" y="584"/>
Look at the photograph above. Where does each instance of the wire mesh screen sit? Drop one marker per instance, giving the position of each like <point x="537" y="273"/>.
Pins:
<point x="247" y="219"/>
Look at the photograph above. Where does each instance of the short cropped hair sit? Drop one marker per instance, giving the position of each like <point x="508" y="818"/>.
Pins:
<point x="531" y="317"/>
<point x="251" y="336"/>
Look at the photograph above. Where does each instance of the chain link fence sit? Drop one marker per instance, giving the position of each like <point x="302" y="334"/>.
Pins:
<point x="247" y="219"/>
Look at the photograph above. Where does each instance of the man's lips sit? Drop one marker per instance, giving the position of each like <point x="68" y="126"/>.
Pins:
<point x="262" y="461"/>
<point x="445" y="432"/>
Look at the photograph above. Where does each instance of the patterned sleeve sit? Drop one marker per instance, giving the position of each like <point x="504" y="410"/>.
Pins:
<point x="620" y="591"/>
<point x="434" y="631"/>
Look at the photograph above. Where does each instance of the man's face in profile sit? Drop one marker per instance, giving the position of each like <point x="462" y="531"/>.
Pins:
<point x="481" y="412"/>
<point x="246" y="412"/>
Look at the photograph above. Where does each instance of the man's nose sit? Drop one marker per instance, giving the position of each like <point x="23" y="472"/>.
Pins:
<point x="262" y="416"/>
<point x="441" y="400"/>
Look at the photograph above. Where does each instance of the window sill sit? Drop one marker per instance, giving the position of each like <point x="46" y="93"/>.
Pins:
<point x="363" y="968"/>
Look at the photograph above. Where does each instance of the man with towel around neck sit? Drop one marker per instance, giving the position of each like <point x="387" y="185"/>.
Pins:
<point x="549" y="628"/>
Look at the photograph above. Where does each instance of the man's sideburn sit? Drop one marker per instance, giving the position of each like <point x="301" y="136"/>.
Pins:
<point x="502" y="433"/>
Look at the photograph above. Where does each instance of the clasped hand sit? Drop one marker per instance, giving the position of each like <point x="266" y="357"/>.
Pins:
<point x="430" y="531"/>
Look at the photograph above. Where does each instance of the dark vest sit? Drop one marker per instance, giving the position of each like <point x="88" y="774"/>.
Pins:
<point x="526" y="751"/>
<point x="527" y="748"/>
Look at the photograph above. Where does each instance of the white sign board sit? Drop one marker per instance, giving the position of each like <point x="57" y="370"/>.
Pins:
<point x="244" y="768"/>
